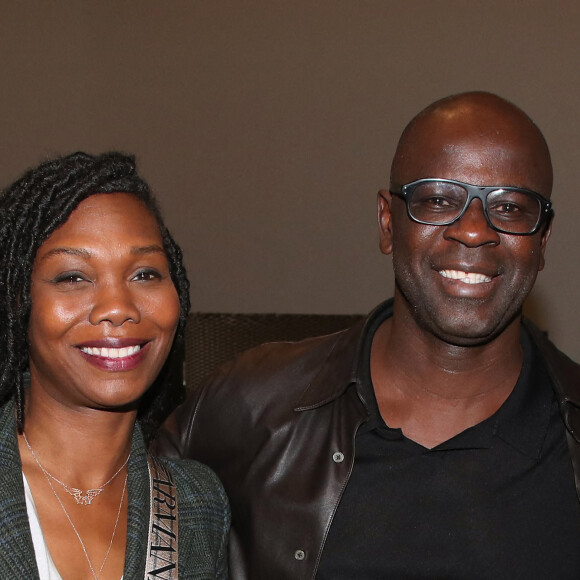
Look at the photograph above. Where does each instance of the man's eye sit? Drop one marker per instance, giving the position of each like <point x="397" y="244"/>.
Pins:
<point x="437" y="202"/>
<point x="505" y="208"/>
<point x="147" y="275"/>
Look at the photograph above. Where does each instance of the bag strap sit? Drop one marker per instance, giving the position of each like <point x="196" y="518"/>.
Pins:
<point x="162" y="556"/>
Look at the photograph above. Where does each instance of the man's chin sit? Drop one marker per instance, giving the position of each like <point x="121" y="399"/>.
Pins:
<point x="468" y="331"/>
<point x="458" y="321"/>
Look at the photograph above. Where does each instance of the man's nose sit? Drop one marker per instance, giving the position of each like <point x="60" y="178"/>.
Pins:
<point x="472" y="229"/>
<point x="114" y="303"/>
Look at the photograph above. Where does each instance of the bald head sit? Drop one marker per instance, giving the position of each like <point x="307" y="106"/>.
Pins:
<point x="477" y="138"/>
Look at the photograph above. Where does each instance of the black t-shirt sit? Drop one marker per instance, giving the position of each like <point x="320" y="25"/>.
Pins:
<point x="496" y="501"/>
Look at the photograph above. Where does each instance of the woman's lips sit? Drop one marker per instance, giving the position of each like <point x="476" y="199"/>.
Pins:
<point x="114" y="359"/>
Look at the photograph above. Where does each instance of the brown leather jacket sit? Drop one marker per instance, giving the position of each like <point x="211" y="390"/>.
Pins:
<point x="278" y="426"/>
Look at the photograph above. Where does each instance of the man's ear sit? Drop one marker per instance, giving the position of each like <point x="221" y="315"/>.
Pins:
<point x="384" y="199"/>
<point x="544" y="242"/>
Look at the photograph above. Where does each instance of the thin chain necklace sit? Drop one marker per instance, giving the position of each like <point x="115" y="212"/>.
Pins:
<point x="82" y="498"/>
<point x="47" y="476"/>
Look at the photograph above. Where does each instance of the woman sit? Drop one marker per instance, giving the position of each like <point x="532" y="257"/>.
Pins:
<point x="93" y="300"/>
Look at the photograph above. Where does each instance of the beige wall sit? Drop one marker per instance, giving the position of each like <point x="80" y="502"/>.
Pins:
<point x="267" y="126"/>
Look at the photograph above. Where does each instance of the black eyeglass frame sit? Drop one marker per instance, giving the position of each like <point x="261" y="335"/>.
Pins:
<point x="475" y="191"/>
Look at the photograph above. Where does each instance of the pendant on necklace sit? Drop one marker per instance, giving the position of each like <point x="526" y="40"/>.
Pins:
<point x="84" y="498"/>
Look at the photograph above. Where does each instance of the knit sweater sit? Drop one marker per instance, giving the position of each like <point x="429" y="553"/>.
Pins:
<point x="203" y="514"/>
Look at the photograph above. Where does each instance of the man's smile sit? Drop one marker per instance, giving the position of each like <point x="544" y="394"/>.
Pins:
<point x="465" y="277"/>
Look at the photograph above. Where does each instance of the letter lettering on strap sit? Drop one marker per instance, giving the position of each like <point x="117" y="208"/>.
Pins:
<point x="162" y="546"/>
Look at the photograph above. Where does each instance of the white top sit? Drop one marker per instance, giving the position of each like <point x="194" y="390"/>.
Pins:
<point x="46" y="568"/>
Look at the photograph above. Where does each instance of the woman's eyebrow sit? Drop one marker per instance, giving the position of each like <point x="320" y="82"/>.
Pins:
<point x="152" y="249"/>
<point x="83" y="253"/>
<point x="69" y="251"/>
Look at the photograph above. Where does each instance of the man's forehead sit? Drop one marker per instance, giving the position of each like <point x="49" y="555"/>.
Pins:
<point x="475" y="137"/>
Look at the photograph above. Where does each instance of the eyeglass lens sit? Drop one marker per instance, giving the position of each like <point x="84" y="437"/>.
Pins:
<point x="438" y="203"/>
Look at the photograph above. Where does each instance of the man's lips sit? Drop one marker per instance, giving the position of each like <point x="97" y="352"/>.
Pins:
<point x="465" y="277"/>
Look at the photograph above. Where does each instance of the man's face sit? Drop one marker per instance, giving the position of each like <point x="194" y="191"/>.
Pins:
<point x="464" y="283"/>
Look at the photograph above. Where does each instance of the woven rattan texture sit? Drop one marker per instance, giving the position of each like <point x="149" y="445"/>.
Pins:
<point x="214" y="338"/>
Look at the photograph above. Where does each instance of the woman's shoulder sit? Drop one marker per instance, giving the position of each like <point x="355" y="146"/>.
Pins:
<point x="196" y="482"/>
<point x="192" y="471"/>
<point x="204" y="520"/>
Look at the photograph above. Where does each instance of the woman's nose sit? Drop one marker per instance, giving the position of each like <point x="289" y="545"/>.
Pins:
<point x="114" y="303"/>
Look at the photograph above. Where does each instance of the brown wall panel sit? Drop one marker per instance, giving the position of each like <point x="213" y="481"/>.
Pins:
<point x="266" y="127"/>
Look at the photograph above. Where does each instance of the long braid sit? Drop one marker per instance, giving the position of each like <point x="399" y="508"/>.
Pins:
<point x="30" y="210"/>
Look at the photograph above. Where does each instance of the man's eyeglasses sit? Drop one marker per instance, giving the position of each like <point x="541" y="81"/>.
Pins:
<point x="440" y="202"/>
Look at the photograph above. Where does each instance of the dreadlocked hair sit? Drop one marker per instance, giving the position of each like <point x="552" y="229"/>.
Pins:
<point x="30" y="210"/>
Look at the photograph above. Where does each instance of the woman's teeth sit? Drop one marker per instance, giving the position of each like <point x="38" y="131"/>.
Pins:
<point x="111" y="352"/>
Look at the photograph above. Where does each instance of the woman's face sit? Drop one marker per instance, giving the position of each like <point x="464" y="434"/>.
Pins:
<point x="104" y="308"/>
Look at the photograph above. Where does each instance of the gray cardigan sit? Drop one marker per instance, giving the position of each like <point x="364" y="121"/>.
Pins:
<point x="203" y="514"/>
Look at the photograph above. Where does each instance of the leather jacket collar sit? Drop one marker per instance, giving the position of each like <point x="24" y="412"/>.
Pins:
<point x="345" y="358"/>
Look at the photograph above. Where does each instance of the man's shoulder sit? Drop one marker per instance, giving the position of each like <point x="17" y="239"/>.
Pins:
<point x="273" y="359"/>
<point x="291" y="364"/>
<point x="272" y="375"/>
<point x="565" y="376"/>
<point x="564" y="372"/>
<point x="261" y="389"/>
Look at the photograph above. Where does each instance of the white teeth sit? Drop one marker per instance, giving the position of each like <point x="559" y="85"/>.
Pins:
<point x="465" y="277"/>
<point x="112" y="352"/>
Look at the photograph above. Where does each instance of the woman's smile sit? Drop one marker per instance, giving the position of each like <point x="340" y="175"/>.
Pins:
<point x="115" y="359"/>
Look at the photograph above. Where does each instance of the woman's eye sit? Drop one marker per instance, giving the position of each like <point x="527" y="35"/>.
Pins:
<point x="68" y="278"/>
<point x="147" y="275"/>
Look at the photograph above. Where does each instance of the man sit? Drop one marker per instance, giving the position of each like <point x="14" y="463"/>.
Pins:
<point x="436" y="440"/>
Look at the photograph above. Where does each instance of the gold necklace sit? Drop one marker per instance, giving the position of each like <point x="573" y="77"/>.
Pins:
<point x="82" y="498"/>
<point x="95" y="575"/>
<point x="48" y="476"/>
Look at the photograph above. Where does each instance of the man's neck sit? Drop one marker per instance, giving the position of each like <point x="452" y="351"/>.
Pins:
<point x="433" y="390"/>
